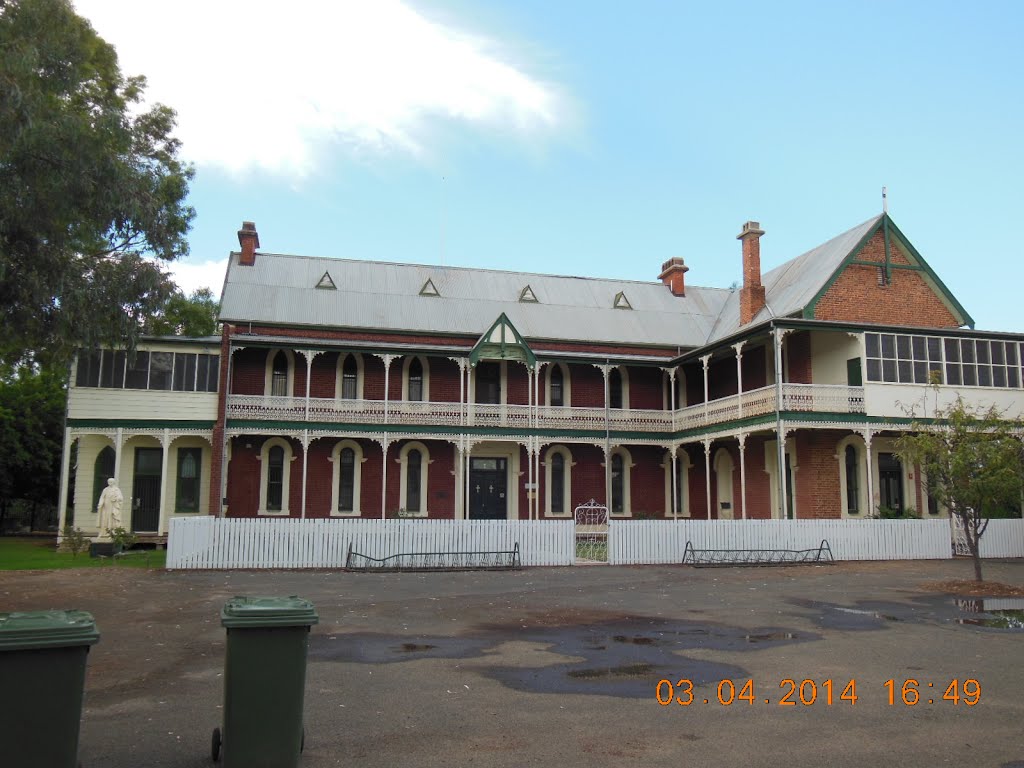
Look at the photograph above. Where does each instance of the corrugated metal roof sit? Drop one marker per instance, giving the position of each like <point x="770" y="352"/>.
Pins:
<point x="281" y="289"/>
<point x="792" y="285"/>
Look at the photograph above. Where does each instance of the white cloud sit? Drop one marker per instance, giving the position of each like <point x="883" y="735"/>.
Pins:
<point x="192" y="275"/>
<point x="270" y="85"/>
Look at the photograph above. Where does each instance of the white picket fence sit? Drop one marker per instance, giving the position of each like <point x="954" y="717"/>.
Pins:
<point x="210" y="542"/>
<point x="636" y="542"/>
<point x="1003" y="538"/>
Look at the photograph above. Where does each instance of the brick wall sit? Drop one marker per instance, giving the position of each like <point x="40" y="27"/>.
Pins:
<point x="856" y="295"/>
<point x="817" y="476"/>
<point x="797" y="349"/>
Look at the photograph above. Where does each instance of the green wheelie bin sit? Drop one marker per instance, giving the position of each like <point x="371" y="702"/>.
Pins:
<point x="264" y="681"/>
<point x="42" y="669"/>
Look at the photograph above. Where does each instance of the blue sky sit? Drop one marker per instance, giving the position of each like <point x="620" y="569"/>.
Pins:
<point x="594" y="138"/>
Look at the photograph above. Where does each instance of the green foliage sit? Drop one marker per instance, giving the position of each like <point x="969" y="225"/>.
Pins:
<point x="31" y="553"/>
<point x="182" y="315"/>
<point x="973" y="460"/>
<point x="32" y="405"/>
<point x="888" y="513"/>
<point x="122" y="538"/>
<point x="90" y="186"/>
<point x="74" y="541"/>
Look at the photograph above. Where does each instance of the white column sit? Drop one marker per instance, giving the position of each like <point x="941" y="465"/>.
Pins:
<point x="607" y="444"/>
<point x="705" y="360"/>
<point x="462" y="390"/>
<point x="457" y="474"/>
<point x="743" y="472"/>
<point x="65" y="468"/>
<point x="707" y="470"/>
<point x="777" y="336"/>
<point x="118" y="445"/>
<point x="387" y="371"/>
<point x="608" y="480"/>
<point x="165" y="444"/>
<point x="384" y="472"/>
<point x="308" y="354"/>
<point x="868" y="436"/>
<point x="739" y="377"/>
<point x="305" y="454"/>
<point x="465" y="458"/>
<point x="673" y="489"/>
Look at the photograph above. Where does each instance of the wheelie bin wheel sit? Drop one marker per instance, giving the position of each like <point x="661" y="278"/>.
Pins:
<point x="215" y="744"/>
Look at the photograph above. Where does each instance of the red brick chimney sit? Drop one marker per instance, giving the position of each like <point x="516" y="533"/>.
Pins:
<point x="250" y="241"/>
<point x="672" y="275"/>
<point x="752" y="292"/>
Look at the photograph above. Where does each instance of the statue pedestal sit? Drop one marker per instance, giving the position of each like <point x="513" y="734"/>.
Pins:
<point x="100" y="548"/>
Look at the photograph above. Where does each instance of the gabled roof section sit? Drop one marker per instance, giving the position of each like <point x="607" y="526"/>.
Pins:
<point x="502" y="342"/>
<point x="794" y="287"/>
<point x="893" y="233"/>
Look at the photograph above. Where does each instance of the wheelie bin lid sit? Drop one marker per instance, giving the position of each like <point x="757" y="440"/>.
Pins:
<point x="268" y="612"/>
<point x="28" y="630"/>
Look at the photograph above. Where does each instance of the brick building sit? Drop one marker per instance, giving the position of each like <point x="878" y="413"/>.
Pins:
<point x="343" y="388"/>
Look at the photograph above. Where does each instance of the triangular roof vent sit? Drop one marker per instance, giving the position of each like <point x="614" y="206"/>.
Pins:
<point x="621" y="302"/>
<point x="428" y="289"/>
<point x="327" y="283"/>
<point x="528" y="295"/>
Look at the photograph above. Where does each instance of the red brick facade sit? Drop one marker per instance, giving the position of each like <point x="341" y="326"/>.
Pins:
<point x="860" y="294"/>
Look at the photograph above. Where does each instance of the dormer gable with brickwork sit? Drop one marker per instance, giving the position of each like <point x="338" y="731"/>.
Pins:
<point x="884" y="279"/>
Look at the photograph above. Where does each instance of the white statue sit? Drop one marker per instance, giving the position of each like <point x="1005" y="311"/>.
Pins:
<point x="109" y="509"/>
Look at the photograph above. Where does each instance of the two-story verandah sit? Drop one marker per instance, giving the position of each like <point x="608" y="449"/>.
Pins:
<point x="336" y="419"/>
<point x="687" y="436"/>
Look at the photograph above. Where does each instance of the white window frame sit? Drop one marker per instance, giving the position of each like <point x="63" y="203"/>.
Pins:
<point x="771" y="468"/>
<point x="339" y="376"/>
<point x="684" y="463"/>
<point x="425" y="461"/>
<point x="335" y="460"/>
<point x="566" y="386"/>
<point x="406" y="362"/>
<point x="624" y="377"/>
<point x="268" y="376"/>
<point x="724" y="479"/>
<point x="627" y="466"/>
<point x="289" y="457"/>
<point x="566" y="455"/>
<point x="866" y="509"/>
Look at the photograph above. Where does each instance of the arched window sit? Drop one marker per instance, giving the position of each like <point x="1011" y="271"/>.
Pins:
<point x="618" y="486"/>
<point x="103" y="470"/>
<point x="347" y="458"/>
<point x="350" y="378"/>
<point x="275" y="463"/>
<point x="413" y="495"/>
<point x="415" y="380"/>
<point x="852" y="484"/>
<point x="615" y="388"/>
<point x="279" y="375"/>
<point x="275" y="479"/>
<point x="346" y="480"/>
<point x="557" y="484"/>
<point x="557" y="394"/>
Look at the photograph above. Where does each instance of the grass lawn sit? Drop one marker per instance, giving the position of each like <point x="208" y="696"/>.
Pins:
<point x="27" y="553"/>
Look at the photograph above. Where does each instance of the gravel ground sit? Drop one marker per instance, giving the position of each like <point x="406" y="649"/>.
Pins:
<point x="561" y="666"/>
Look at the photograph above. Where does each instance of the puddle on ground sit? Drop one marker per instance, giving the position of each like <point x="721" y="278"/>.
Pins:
<point x="622" y="657"/>
<point x="992" y="613"/>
